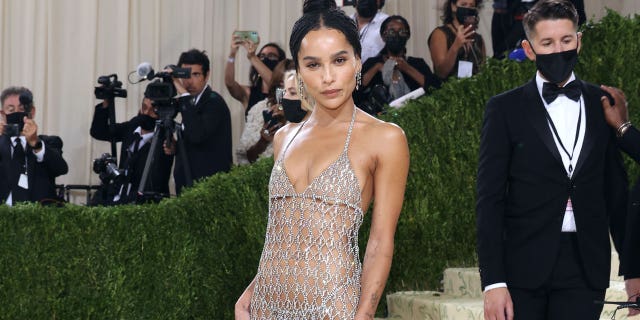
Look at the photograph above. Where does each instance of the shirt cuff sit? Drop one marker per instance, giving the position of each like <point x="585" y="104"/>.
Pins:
<point x="495" y="285"/>
<point x="40" y="154"/>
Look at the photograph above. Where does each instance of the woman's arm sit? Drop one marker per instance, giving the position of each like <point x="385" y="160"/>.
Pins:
<point x="408" y="69"/>
<point x="236" y="90"/>
<point x="389" y="179"/>
<point x="243" y="305"/>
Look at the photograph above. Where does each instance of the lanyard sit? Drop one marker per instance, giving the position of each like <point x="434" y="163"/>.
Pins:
<point x="555" y="132"/>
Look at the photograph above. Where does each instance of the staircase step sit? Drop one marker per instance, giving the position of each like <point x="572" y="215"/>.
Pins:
<point x="615" y="265"/>
<point x="419" y="305"/>
<point x="462" y="298"/>
<point x="462" y="282"/>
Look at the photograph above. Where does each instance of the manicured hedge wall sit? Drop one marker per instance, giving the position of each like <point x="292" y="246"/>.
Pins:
<point x="191" y="257"/>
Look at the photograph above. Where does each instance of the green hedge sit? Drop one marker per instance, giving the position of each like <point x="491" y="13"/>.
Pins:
<point x="191" y="257"/>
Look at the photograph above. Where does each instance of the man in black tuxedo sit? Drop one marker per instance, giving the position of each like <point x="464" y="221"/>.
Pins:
<point x="617" y="116"/>
<point x="29" y="162"/>
<point x="136" y="137"/>
<point x="206" y="124"/>
<point x="551" y="184"/>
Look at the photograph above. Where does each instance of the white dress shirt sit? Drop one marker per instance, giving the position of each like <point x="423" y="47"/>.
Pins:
<point x="370" y="38"/>
<point x="39" y="157"/>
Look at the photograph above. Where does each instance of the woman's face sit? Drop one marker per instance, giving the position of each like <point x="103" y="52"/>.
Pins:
<point x="290" y="91"/>
<point x="328" y="66"/>
<point x="396" y="27"/>
<point x="270" y="53"/>
<point x="463" y="3"/>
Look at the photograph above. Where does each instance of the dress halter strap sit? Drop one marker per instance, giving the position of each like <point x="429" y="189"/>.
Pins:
<point x="294" y="136"/>
<point x="346" y="144"/>
<point x="353" y="119"/>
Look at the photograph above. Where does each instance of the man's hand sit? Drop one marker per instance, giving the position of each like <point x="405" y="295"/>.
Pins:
<point x="633" y="291"/>
<point x="169" y="147"/>
<point x="618" y="113"/>
<point x="3" y="121"/>
<point x="30" y="131"/>
<point x="498" y="304"/>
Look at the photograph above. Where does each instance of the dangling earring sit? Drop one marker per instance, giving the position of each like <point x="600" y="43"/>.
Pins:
<point x="358" y="79"/>
<point x="300" y="89"/>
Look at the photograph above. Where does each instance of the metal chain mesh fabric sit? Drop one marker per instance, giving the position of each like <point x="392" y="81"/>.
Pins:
<point x="310" y="267"/>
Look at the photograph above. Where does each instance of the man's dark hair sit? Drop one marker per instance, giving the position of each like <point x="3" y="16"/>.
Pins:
<point x="549" y="10"/>
<point x="16" y="91"/>
<point x="195" y="56"/>
<point x="254" y="76"/>
<point x="447" y="14"/>
<point x="383" y="26"/>
<point x="315" y="17"/>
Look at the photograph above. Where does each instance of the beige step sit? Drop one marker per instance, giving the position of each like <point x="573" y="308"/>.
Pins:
<point x="462" y="282"/>
<point x="429" y="305"/>
<point x="462" y="298"/>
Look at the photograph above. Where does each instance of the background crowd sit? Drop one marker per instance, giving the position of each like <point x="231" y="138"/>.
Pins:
<point x="456" y="49"/>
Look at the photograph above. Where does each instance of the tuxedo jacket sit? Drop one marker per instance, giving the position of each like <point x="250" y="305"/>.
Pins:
<point x="206" y="135"/>
<point x="523" y="188"/>
<point x="41" y="175"/>
<point x="630" y="144"/>
<point x="159" y="174"/>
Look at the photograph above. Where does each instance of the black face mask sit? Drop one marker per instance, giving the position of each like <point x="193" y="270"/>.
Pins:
<point x="367" y="8"/>
<point x="16" y="118"/>
<point x="293" y="111"/>
<point x="396" y="44"/>
<point x="271" y="64"/>
<point x="557" y="67"/>
<point x="462" y="13"/>
<point x="146" y="122"/>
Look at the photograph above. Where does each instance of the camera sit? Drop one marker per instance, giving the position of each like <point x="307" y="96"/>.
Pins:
<point x="107" y="169"/>
<point x="109" y="88"/>
<point x="374" y="100"/>
<point x="12" y="130"/>
<point x="162" y="89"/>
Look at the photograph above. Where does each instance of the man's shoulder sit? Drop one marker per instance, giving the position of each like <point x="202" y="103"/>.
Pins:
<point x="51" y="141"/>
<point x="512" y="94"/>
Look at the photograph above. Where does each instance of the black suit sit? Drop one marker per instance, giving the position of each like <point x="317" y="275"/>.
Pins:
<point x="159" y="174"/>
<point x="41" y="175"/>
<point x="630" y="144"/>
<point x="206" y="137"/>
<point x="523" y="190"/>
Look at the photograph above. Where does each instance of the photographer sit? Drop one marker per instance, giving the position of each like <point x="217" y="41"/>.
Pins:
<point x="135" y="135"/>
<point x="399" y="73"/>
<point x="29" y="163"/>
<point x="206" y="124"/>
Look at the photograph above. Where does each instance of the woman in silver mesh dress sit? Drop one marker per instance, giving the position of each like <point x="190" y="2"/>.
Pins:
<point x="327" y="171"/>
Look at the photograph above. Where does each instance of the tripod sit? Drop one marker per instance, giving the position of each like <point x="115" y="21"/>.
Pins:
<point x="170" y="126"/>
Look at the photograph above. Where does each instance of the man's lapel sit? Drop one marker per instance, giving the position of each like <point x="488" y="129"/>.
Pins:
<point x="536" y="115"/>
<point x="591" y="109"/>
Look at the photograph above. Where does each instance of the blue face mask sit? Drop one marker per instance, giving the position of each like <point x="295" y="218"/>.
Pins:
<point x="293" y="111"/>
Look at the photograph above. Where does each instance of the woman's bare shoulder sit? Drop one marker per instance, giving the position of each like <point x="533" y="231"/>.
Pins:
<point x="282" y="134"/>
<point x="379" y="130"/>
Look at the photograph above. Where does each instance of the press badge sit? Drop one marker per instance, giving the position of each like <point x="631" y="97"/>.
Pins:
<point x="465" y="69"/>
<point x="23" y="182"/>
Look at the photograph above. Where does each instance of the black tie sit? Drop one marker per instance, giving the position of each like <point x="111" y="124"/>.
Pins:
<point x="18" y="162"/>
<point x="551" y="91"/>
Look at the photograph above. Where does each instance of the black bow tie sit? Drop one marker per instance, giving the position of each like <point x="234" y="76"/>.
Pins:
<point x="551" y="91"/>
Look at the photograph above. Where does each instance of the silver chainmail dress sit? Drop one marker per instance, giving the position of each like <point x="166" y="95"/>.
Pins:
<point x="310" y="267"/>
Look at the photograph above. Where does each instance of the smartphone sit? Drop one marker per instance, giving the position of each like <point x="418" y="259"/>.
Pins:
<point x="268" y="118"/>
<point x="279" y="95"/>
<point x="247" y="35"/>
<point x="471" y="21"/>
